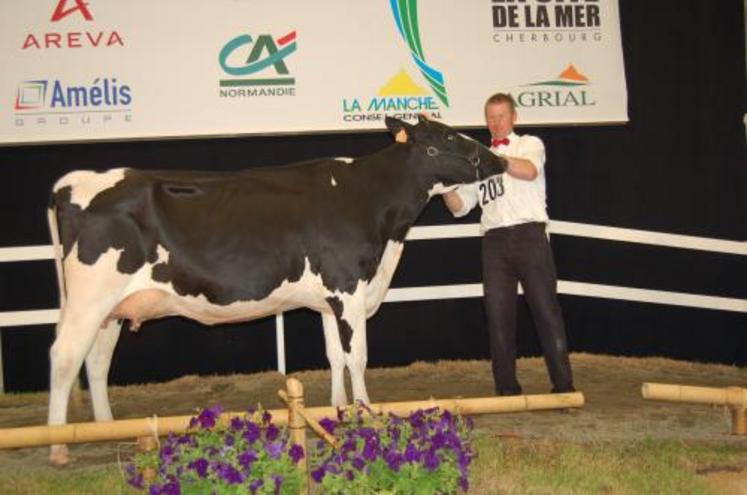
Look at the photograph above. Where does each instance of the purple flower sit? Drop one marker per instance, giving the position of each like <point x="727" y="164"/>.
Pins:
<point x="358" y="463"/>
<point x="200" y="465"/>
<point x="328" y="424"/>
<point x="169" y="488"/>
<point x="296" y="453"/>
<point x="370" y="450"/>
<point x="318" y="474"/>
<point x="278" y="482"/>
<point x="431" y="460"/>
<point x="266" y="417"/>
<point x="207" y="418"/>
<point x="186" y="439"/>
<point x="463" y="459"/>
<point x="464" y="483"/>
<point x="274" y="449"/>
<point x="366" y="432"/>
<point x="417" y="420"/>
<point x="229" y="441"/>
<point x="136" y="479"/>
<point x="395" y="433"/>
<point x="348" y="446"/>
<point x="167" y="454"/>
<point x="394" y="460"/>
<point x="252" y="432"/>
<point x="438" y="440"/>
<point x="228" y="473"/>
<point x="272" y="433"/>
<point x="411" y="453"/>
<point x="256" y="485"/>
<point x="236" y="424"/>
<point x="247" y="458"/>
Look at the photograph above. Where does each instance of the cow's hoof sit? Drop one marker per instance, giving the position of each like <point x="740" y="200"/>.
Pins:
<point x="59" y="455"/>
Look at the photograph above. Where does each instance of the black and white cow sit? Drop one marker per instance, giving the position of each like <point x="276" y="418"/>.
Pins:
<point x="221" y="247"/>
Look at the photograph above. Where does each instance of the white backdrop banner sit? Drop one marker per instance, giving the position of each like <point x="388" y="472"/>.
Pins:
<point x="107" y="69"/>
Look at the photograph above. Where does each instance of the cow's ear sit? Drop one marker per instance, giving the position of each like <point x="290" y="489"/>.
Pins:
<point x="399" y="129"/>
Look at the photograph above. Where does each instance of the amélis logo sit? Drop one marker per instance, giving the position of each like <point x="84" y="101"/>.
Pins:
<point x="569" y="89"/>
<point x="53" y="102"/>
<point x="400" y="97"/>
<point x="264" y="56"/>
<point x="80" y="11"/>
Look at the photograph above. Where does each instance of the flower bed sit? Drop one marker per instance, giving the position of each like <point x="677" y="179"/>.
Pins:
<point x="427" y="452"/>
<point x="252" y="456"/>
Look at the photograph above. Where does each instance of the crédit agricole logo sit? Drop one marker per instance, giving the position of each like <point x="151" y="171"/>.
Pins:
<point x="263" y="58"/>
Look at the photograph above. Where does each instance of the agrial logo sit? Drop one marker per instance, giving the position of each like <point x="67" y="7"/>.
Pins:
<point x="72" y="39"/>
<point x="264" y="56"/>
<point x="569" y="89"/>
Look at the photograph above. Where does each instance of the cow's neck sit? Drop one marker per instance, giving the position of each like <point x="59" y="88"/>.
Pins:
<point x="399" y="186"/>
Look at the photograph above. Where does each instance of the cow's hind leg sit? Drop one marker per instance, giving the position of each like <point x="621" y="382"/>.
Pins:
<point x="97" y="369"/>
<point x="76" y="332"/>
<point x="336" y="359"/>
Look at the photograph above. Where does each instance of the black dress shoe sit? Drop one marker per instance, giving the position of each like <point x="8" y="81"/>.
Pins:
<point x="506" y="392"/>
<point x="563" y="390"/>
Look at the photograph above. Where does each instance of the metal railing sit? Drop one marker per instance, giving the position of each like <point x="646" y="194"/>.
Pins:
<point x="12" y="319"/>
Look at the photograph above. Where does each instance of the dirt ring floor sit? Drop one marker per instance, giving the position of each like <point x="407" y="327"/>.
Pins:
<point x="612" y="387"/>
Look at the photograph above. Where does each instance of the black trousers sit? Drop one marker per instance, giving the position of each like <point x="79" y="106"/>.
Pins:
<point x="522" y="253"/>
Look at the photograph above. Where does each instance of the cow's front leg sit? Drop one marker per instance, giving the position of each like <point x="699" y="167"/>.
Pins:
<point x="350" y="312"/>
<point x="357" y="359"/>
<point x="336" y="359"/>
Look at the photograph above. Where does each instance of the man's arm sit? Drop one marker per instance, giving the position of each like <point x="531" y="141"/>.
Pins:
<point x="531" y="159"/>
<point x="520" y="168"/>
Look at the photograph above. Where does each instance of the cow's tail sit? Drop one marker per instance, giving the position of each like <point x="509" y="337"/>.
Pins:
<point x="54" y="232"/>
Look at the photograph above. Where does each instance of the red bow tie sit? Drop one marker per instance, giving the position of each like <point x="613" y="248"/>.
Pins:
<point x="497" y="142"/>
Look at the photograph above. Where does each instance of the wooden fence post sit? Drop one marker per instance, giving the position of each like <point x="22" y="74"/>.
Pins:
<point x="297" y="425"/>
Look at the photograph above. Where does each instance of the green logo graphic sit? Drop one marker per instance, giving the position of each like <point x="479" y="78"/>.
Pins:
<point x="406" y="16"/>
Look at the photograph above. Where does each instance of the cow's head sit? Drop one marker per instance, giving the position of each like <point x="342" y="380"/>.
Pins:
<point x="450" y="157"/>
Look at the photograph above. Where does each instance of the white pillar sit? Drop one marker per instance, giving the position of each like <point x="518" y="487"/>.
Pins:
<point x="280" y="341"/>
<point x="2" y="377"/>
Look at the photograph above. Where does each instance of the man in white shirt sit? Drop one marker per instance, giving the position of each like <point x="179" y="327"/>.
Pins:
<point x="515" y="249"/>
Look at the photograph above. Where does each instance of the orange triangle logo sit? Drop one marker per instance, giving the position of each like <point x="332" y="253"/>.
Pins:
<point x="570" y="73"/>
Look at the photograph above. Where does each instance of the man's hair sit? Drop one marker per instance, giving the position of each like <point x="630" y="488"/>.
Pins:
<point x="501" y="98"/>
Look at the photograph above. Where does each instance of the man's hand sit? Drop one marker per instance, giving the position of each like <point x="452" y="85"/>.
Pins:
<point x="453" y="201"/>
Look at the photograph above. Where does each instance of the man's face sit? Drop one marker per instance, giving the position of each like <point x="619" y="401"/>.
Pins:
<point x="500" y="119"/>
